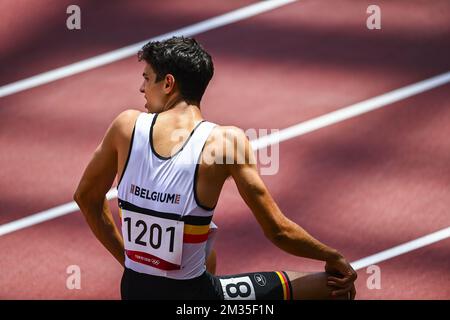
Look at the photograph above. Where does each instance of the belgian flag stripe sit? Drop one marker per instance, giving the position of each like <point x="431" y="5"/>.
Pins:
<point x="284" y="285"/>
<point x="195" y="238"/>
<point x="197" y="230"/>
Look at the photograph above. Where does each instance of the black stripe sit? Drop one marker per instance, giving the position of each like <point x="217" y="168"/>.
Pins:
<point x="129" y="154"/>
<point x="193" y="220"/>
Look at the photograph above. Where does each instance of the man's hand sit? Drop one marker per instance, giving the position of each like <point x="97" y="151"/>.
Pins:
<point x="341" y="277"/>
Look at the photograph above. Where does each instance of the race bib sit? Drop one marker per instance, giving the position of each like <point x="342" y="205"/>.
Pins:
<point x="153" y="241"/>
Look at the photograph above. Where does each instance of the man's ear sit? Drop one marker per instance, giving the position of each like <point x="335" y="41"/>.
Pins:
<point x="169" y="83"/>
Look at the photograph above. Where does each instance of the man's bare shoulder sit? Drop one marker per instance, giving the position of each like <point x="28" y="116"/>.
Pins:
<point x="224" y="136"/>
<point x="229" y="144"/>
<point x="122" y="126"/>
<point x="125" y="119"/>
<point x="229" y="133"/>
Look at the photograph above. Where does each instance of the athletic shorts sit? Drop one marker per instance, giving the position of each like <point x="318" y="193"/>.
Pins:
<point x="246" y="286"/>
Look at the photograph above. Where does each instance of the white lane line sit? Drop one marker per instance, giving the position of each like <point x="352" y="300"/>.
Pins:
<point x="352" y="111"/>
<point x="403" y="248"/>
<point x="46" y="215"/>
<point x="125" y="52"/>
<point x="262" y="142"/>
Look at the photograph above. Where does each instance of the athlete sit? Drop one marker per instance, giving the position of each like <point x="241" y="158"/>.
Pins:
<point x="171" y="165"/>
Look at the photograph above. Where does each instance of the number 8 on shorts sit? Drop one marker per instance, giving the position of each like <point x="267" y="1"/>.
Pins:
<point x="238" y="288"/>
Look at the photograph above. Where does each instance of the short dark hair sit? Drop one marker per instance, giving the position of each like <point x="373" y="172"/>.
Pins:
<point x="185" y="59"/>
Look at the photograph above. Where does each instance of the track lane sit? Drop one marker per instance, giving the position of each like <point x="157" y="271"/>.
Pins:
<point x="350" y="190"/>
<point x="41" y="42"/>
<point x="340" y="86"/>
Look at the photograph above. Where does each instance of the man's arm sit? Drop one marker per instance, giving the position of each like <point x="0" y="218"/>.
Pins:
<point x="284" y="233"/>
<point x="96" y="181"/>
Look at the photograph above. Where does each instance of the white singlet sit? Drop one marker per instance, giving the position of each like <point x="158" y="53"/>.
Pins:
<point x="164" y="228"/>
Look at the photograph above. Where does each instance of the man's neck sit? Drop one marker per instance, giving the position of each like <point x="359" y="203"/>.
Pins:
<point x="182" y="108"/>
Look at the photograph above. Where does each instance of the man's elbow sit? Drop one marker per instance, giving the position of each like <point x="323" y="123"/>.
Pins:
<point x="88" y="200"/>
<point x="84" y="203"/>
<point x="77" y="197"/>
<point x="275" y="233"/>
<point x="276" y="237"/>
<point x="278" y="230"/>
<point x="80" y="197"/>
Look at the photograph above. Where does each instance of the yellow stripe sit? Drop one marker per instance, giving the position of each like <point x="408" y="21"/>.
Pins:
<point x="283" y="284"/>
<point x="120" y="214"/>
<point x="191" y="229"/>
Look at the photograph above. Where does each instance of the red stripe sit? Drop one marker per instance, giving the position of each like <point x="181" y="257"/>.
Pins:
<point x="288" y="292"/>
<point x="151" y="260"/>
<point x="195" y="238"/>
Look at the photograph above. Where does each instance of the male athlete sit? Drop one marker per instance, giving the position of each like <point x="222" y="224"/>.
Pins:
<point x="171" y="166"/>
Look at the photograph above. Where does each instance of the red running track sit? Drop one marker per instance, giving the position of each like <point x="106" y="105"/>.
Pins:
<point x="363" y="185"/>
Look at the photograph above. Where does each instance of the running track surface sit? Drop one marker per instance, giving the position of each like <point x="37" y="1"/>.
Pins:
<point x="362" y="186"/>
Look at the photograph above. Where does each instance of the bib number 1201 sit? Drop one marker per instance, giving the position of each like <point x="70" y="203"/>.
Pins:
<point x="155" y="234"/>
<point x="154" y="238"/>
